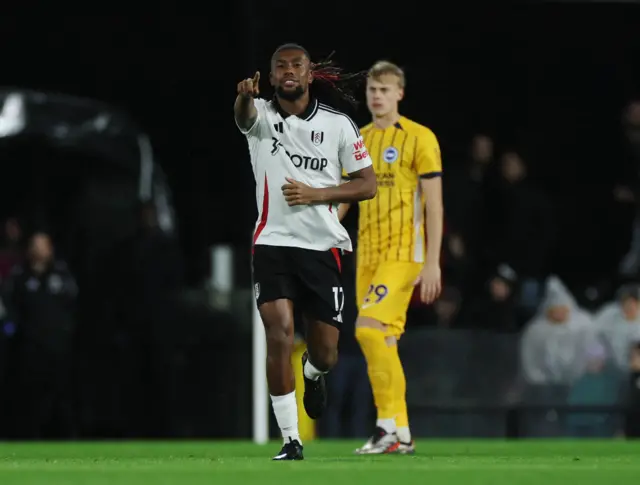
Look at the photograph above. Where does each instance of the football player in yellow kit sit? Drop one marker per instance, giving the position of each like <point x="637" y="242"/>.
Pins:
<point x="392" y="256"/>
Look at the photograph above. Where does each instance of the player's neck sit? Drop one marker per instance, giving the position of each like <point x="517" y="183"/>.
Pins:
<point x="385" y="121"/>
<point x="295" y="107"/>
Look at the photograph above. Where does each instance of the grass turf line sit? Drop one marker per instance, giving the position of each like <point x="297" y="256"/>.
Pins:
<point x="326" y="462"/>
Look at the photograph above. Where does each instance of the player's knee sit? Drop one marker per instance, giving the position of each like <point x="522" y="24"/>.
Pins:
<point x="279" y="333"/>
<point x="368" y="337"/>
<point x="279" y="340"/>
<point x="324" y="356"/>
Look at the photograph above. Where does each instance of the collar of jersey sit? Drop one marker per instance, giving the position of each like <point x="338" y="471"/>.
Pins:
<point x="306" y="115"/>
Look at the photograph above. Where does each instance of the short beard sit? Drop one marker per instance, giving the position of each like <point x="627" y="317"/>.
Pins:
<point x="294" y="95"/>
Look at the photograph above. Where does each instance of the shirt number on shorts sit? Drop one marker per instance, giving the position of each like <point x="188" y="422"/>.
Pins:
<point x="338" y="298"/>
<point x="376" y="293"/>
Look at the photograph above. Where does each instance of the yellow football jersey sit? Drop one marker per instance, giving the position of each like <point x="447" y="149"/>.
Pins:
<point x="391" y="225"/>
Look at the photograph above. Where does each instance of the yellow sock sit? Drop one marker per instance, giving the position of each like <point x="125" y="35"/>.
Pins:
<point x="380" y="370"/>
<point x="399" y="388"/>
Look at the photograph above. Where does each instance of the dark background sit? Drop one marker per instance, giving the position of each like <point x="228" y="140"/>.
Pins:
<point x="549" y="81"/>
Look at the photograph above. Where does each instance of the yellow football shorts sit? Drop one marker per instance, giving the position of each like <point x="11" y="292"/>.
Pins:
<point x="384" y="291"/>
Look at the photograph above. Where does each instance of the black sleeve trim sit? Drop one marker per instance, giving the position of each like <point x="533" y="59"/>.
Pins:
<point x="430" y="175"/>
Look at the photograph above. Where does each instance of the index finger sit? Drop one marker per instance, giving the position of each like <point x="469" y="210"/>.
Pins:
<point x="256" y="77"/>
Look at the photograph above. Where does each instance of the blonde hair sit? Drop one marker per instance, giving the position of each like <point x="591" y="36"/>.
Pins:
<point x="386" y="68"/>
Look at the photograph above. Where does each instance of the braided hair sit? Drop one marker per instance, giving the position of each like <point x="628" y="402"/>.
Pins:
<point x="331" y="75"/>
<point x="344" y="83"/>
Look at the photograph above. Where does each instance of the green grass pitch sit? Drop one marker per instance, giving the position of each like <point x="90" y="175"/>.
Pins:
<point x="326" y="462"/>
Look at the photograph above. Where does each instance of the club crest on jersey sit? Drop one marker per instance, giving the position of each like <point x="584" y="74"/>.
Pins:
<point x="390" y="155"/>
<point x="257" y="289"/>
<point x="317" y="137"/>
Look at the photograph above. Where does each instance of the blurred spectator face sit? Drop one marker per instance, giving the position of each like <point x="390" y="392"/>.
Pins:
<point x="558" y="313"/>
<point x="513" y="168"/>
<point x="12" y="230"/>
<point x="456" y="246"/>
<point x="148" y="216"/>
<point x="445" y="310"/>
<point x="633" y="114"/>
<point x="630" y="308"/>
<point x="40" y="248"/>
<point x="500" y="290"/>
<point x="632" y="122"/>
<point x="482" y="148"/>
<point x="447" y="306"/>
<point x="383" y="94"/>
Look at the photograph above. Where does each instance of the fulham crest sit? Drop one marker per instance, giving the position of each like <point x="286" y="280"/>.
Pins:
<point x="317" y="137"/>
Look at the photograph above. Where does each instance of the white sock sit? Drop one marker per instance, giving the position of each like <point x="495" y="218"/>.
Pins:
<point x="311" y="372"/>
<point x="389" y="425"/>
<point x="404" y="435"/>
<point x="286" y="410"/>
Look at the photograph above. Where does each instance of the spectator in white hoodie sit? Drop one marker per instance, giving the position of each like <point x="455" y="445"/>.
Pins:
<point x="619" y="324"/>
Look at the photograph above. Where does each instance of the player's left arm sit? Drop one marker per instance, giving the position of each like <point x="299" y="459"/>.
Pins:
<point x="343" y="208"/>
<point x="356" y="163"/>
<point x="428" y="165"/>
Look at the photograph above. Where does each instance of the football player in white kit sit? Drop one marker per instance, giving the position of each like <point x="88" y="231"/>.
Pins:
<point x="299" y="148"/>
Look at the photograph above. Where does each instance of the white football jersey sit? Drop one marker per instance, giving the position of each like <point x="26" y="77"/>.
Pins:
<point x="313" y="148"/>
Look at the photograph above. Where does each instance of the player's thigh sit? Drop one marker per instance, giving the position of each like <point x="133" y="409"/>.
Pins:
<point x="320" y="285"/>
<point x="273" y="279"/>
<point x="390" y="293"/>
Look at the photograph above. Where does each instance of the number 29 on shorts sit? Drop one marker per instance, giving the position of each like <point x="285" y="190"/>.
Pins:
<point x="376" y="294"/>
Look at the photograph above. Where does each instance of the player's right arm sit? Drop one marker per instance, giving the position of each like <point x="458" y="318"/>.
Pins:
<point x="244" y="109"/>
<point x="357" y="168"/>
